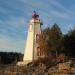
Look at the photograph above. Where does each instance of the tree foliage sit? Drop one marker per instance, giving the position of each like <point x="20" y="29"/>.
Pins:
<point x="53" y="41"/>
<point x="55" y="38"/>
<point x="50" y="39"/>
<point x="69" y="42"/>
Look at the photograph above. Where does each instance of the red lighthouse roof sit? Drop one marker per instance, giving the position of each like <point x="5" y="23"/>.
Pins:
<point x="35" y="15"/>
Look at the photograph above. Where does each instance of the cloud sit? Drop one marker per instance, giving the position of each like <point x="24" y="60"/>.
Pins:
<point x="13" y="27"/>
<point x="71" y="26"/>
<point x="11" y="45"/>
<point x="13" y="31"/>
<point x="58" y="6"/>
<point x="60" y="14"/>
<point x="38" y="5"/>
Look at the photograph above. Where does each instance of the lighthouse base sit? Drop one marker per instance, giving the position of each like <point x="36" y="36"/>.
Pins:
<point x="23" y="63"/>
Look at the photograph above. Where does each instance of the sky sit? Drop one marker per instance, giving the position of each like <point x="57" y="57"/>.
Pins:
<point x="15" y="14"/>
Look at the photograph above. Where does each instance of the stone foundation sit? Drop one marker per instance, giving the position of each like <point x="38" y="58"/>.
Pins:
<point x="23" y="63"/>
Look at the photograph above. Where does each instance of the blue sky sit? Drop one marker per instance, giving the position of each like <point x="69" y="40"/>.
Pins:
<point x="14" y="16"/>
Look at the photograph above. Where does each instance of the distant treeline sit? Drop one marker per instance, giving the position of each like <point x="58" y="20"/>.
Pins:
<point x="10" y="57"/>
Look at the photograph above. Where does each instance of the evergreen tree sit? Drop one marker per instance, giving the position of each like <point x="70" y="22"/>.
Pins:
<point x="69" y="43"/>
<point x="51" y="40"/>
<point x="55" y="39"/>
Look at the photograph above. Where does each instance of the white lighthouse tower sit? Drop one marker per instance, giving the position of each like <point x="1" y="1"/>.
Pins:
<point x="32" y="49"/>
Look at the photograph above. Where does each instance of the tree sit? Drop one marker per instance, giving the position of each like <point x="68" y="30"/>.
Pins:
<point x="55" y="39"/>
<point x="50" y="39"/>
<point x="69" y="43"/>
<point x="43" y="40"/>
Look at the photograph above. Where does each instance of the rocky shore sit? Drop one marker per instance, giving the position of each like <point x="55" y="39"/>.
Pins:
<point x="42" y="66"/>
<point x="31" y="69"/>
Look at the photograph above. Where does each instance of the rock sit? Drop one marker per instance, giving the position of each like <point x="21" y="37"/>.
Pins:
<point x="64" y="66"/>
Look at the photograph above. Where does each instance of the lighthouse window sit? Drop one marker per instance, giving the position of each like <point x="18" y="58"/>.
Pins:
<point x="37" y="37"/>
<point x="30" y="27"/>
<point x="38" y="51"/>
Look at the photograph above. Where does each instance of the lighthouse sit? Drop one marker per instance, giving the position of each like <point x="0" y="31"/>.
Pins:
<point x="32" y="49"/>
